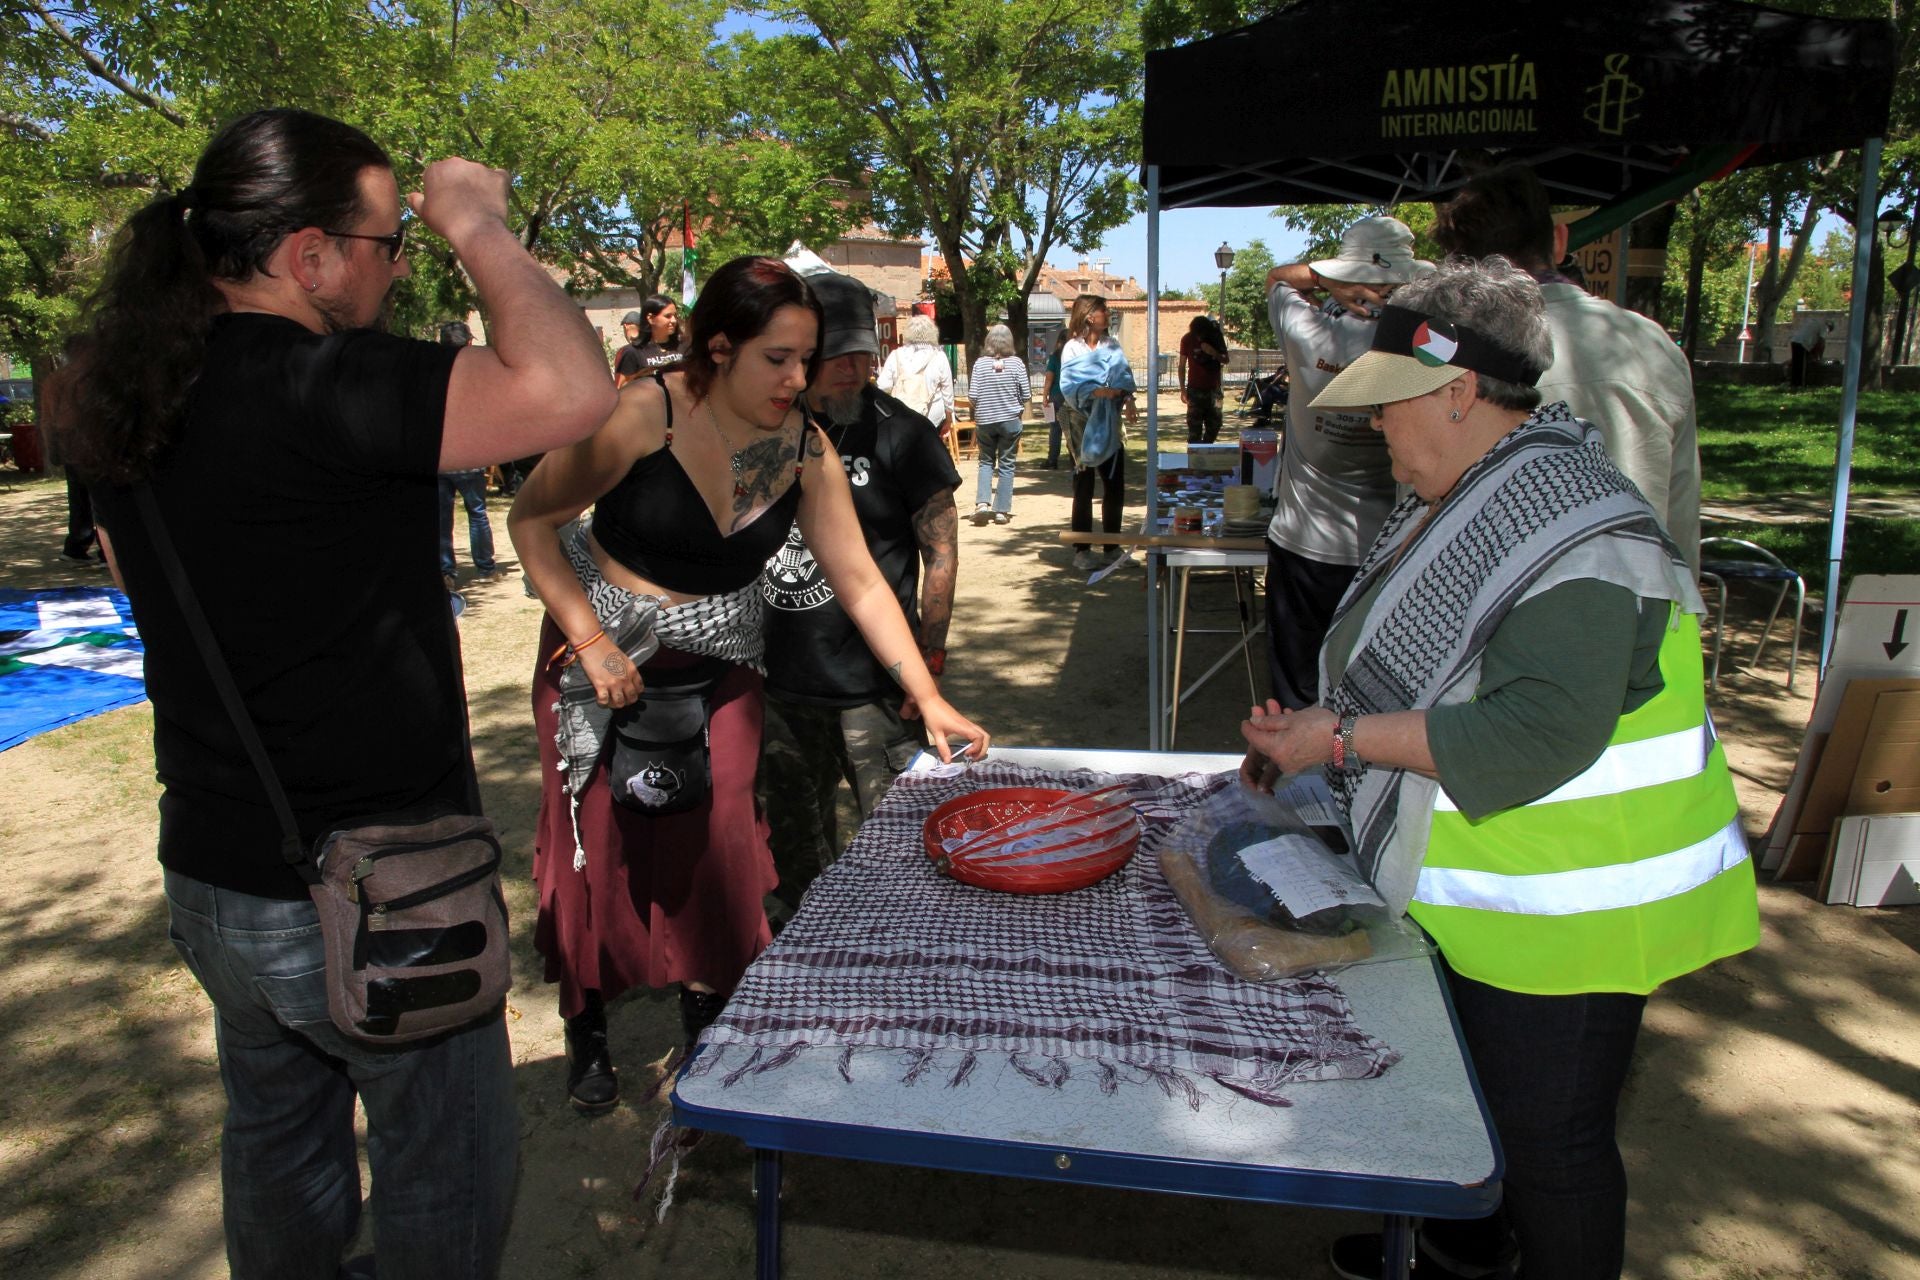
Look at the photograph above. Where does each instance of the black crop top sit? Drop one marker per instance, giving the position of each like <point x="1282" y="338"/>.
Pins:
<point x="656" y="523"/>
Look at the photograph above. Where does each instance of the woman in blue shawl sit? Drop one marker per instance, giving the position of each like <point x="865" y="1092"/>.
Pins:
<point x="1096" y="385"/>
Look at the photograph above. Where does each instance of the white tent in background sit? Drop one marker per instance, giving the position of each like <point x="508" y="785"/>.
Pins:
<point x="805" y="261"/>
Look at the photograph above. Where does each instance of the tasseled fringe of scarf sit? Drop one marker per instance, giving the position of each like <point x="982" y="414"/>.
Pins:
<point x="1050" y="1073"/>
<point x="573" y="816"/>
<point x="1053" y="1076"/>
<point x="665" y="1145"/>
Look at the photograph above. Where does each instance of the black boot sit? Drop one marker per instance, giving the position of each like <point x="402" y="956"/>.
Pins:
<point x="592" y="1085"/>
<point x="698" y="1009"/>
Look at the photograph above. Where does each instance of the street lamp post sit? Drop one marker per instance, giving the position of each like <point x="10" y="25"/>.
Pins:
<point x="1223" y="258"/>
<point x="1746" y="307"/>
<point x="1896" y="232"/>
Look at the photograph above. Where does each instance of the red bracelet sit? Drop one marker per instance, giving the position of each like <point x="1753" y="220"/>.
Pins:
<point x="1339" y="748"/>
<point x="936" y="661"/>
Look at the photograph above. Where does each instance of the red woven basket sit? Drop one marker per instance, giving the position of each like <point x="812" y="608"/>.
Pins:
<point x="984" y="810"/>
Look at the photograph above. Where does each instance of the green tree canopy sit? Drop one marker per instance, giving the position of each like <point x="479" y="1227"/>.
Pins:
<point x="1003" y="130"/>
<point x="611" y="116"/>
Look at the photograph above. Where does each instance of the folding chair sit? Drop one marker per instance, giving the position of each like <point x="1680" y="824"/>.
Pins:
<point x="1736" y="559"/>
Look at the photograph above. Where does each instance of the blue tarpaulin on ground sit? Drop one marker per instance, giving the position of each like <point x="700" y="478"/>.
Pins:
<point x="65" y="654"/>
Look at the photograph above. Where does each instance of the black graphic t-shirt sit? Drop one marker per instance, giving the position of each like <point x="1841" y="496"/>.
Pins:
<point x="895" y="462"/>
<point x="643" y="360"/>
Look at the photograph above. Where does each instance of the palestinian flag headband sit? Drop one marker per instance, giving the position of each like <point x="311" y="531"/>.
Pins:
<point x="1435" y="342"/>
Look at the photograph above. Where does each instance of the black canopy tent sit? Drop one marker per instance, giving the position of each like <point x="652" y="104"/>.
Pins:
<point x="1623" y="106"/>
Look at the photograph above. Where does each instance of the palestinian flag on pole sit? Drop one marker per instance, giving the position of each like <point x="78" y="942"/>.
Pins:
<point x="688" y="256"/>
<point x="65" y="655"/>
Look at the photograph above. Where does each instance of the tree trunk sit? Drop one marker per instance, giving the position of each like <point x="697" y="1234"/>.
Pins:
<point x="1776" y="281"/>
<point x="1017" y="321"/>
<point x="1690" y="315"/>
<point x="1873" y="340"/>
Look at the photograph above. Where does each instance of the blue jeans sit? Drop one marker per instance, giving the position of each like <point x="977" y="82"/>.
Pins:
<point x="999" y="446"/>
<point x="1551" y="1068"/>
<point x="442" y="1125"/>
<point x="472" y="486"/>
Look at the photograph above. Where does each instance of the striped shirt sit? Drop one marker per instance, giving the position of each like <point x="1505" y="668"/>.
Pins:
<point x="999" y="389"/>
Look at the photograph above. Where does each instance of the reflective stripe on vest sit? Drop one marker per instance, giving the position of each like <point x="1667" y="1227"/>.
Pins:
<point x="1630" y="873"/>
<point x="1562" y="893"/>
<point x="1624" y="766"/>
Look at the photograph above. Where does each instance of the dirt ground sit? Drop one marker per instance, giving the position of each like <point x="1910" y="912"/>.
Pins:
<point x="1768" y="1126"/>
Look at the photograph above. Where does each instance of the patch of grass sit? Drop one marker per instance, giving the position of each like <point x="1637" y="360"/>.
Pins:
<point x="1767" y="440"/>
<point x="1872" y="546"/>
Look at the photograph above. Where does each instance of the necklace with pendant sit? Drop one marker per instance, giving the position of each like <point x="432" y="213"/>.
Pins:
<point x="733" y="454"/>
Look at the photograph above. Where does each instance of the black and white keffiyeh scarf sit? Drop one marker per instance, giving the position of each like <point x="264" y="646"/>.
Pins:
<point x="1112" y="979"/>
<point x="727" y="626"/>
<point x="1544" y="506"/>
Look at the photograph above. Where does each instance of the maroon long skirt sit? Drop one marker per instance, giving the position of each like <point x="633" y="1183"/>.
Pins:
<point x="662" y="899"/>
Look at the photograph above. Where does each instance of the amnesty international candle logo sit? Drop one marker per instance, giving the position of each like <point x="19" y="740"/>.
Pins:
<point x="1609" y="100"/>
<point x="1482" y="97"/>
<point x="792" y="579"/>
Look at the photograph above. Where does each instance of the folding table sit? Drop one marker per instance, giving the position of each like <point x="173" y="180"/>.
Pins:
<point x="1413" y="1142"/>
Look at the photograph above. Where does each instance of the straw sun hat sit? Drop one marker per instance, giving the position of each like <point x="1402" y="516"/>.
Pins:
<point x="1414" y="353"/>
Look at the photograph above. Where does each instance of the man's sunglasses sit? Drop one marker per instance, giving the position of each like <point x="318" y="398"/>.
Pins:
<point x="396" y="243"/>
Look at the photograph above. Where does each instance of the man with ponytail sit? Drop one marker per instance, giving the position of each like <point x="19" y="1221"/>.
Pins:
<point x="233" y="370"/>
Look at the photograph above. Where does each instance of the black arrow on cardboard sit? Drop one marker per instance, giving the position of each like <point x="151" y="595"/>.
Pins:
<point x="1895" y="645"/>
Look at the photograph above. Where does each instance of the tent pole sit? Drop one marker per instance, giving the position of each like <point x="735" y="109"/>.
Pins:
<point x="1156" y="722"/>
<point x="1865" y="228"/>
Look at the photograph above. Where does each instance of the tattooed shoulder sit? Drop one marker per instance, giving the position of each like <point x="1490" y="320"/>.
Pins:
<point x="937" y="522"/>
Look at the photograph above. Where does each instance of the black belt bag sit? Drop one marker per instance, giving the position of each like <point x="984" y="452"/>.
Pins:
<point x="411" y="915"/>
<point x="661" y="761"/>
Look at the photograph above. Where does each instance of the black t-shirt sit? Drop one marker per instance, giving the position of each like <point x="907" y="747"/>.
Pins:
<point x="896" y="463"/>
<point x="643" y="360"/>
<point x="301" y="497"/>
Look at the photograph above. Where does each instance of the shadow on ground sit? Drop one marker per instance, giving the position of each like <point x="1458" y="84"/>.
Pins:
<point x="1768" y="1124"/>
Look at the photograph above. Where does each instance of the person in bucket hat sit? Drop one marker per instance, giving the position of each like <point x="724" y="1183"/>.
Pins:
<point x="1514" y="728"/>
<point x="1334" y="486"/>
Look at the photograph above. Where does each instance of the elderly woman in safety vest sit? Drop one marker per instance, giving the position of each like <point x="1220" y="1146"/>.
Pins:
<point x="1512" y="721"/>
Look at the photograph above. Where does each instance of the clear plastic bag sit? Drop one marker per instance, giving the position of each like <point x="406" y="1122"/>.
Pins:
<point x="1271" y="897"/>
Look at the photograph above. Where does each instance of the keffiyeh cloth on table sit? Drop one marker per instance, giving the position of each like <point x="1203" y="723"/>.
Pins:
<point x="1111" y="979"/>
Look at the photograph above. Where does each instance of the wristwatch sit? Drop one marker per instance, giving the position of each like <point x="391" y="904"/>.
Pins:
<point x="1348" y="757"/>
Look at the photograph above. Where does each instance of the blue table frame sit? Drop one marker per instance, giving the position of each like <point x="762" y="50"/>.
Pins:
<point x="1416" y="1142"/>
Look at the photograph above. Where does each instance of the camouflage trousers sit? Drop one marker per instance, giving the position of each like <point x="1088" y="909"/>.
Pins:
<point x="805" y="753"/>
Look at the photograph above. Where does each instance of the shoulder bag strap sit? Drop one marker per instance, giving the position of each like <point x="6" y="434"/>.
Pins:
<point x="291" y="849"/>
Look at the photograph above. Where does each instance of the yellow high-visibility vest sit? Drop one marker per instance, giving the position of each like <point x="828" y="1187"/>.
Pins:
<point x="1632" y="872"/>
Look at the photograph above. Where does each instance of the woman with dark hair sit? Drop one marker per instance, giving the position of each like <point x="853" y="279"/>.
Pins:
<point x="1093" y="372"/>
<point x="660" y="327"/>
<point x="232" y="385"/>
<point x="1203" y="354"/>
<point x="695" y="481"/>
<point x="1514" y="729"/>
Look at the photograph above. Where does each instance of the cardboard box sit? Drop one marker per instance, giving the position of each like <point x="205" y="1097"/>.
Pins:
<point x="1876" y="860"/>
<point x="1870" y="764"/>
<point x="1213" y="457"/>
